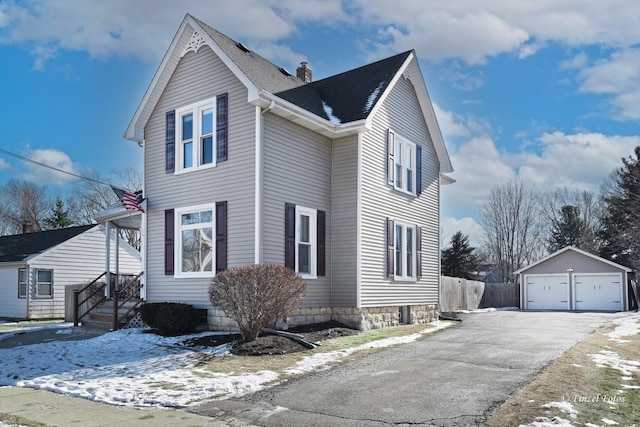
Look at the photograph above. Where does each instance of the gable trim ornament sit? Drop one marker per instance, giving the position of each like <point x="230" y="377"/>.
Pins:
<point x="194" y="43"/>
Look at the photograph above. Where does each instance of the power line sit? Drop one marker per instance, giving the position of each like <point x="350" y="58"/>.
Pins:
<point x="44" y="165"/>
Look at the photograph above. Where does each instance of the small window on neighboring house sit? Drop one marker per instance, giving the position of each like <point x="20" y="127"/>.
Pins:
<point x="194" y="237"/>
<point x="44" y="283"/>
<point x="405" y="164"/>
<point x="196" y="135"/>
<point x="23" y="282"/>
<point x="305" y="240"/>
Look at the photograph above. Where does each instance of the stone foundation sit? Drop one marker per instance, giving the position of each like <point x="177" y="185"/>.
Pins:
<point x="358" y="318"/>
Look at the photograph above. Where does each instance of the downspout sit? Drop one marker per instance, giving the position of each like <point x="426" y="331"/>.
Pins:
<point x="143" y="232"/>
<point x="259" y="170"/>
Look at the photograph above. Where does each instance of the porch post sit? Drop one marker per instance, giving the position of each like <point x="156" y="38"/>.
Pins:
<point x="117" y="287"/>
<point x="107" y="267"/>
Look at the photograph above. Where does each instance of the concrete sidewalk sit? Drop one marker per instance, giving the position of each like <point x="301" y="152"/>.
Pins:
<point x="36" y="335"/>
<point x="31" y="406"/>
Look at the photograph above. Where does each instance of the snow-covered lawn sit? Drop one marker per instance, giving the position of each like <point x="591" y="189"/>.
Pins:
<point x="133" y="368"/>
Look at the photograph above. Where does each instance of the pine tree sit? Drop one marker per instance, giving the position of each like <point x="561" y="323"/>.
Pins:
<point x="459" y="259"/>
<point x="567" y="230"/>
<point x="59" y="217"/>
<point x="620" y="223"/>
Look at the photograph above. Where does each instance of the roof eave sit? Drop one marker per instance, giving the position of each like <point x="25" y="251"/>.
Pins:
<point x="307" y="119"/>
<point x="580" y="251"/>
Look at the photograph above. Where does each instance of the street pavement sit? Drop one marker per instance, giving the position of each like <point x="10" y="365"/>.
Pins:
<point x="457" y="377"/>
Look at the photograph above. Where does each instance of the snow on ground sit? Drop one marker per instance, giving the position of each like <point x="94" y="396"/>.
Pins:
<point x="133" y="368"/>
<point x="546" y="422"/>
<point x="626" y="326"/>
<point x="611" y="359"/>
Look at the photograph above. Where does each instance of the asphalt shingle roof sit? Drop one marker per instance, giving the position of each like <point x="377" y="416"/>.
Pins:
<point x="20" y="247"/>
<point x="350" y="95"/>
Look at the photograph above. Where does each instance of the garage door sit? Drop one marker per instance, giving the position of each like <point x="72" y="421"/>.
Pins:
<point x="547" y="292"/>
<point x="598" y="292"/>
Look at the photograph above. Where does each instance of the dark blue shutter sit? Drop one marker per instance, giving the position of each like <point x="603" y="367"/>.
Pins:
<point x="418" y="170"/>
<point x="221" y="236"/>
<point x="419" y="252"/>
<point x="390" y="248"/>
<point x="170" y="142"/>
<point x="222" y="126"/>
<point x="290" y="236"/>
<point x="168" y="242"/>
<point x="321" y="237"/>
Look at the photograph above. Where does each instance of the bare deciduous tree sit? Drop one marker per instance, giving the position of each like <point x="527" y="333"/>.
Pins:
<point x="512" y="227"/>
<point x="23" y="203"/>
<point x="255" y="295"/>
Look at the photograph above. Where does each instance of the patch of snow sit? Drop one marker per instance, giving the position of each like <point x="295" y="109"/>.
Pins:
<point x="563" y="406"/>
<point x="609" y="422"/>
<point x="592" y="425"/>
<point x="546" y="422"/>
<point x="329" y="112"/>
<point x="576" y="365"/>
<point x="633" y="387"/>
<point x="610" y="359"/>
<point x="626" y="326"/>
<point x="372" y="98"/>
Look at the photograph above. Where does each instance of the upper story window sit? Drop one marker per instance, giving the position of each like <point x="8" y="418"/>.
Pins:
<point x="195" y="245"/>
<point x="196" y="135"/>
<point x="404" y="164"/>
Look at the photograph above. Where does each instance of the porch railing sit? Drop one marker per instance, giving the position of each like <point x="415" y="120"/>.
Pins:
<point x="95" y="297"/>
<point x="130" y="291"/>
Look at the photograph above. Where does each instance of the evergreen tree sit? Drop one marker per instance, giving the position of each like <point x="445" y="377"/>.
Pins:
<point x="59" y="217"/>
<point x="620" y="222"/>
<point x="567" y="230"/>
<point x="459" y="259"/>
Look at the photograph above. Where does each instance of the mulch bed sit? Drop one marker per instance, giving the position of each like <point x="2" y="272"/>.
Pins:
<point x="271" y="344"/>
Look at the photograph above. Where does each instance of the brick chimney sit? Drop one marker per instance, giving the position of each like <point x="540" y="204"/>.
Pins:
<point x="27" y="227"/>
<point x="304" y="73"/>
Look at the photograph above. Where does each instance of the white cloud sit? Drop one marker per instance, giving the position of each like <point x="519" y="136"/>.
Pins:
<point x="3" y="164"/>
<point x="449" y="124"/>
<point x="467" y="225"/>
<point x="575" y="63"/>
<point x="619" y="77"/>
<point x="43" y="175"/>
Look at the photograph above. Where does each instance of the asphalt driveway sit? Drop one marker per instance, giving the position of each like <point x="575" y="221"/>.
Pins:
<point x="457" y="377"/>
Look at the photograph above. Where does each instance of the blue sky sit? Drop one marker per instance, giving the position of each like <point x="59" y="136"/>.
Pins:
<point x="545" y="91"/>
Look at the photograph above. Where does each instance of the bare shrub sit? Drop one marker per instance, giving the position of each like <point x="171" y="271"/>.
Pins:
<point x="255" y="295"/>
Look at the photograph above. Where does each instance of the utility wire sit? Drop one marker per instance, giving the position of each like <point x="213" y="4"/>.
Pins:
<point x="35" y="162"/>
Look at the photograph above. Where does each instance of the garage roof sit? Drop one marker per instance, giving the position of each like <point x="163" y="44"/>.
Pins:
<point x="574" y="249"/>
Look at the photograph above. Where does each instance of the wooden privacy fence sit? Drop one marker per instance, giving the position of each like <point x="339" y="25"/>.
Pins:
<point x="462" y="294"/>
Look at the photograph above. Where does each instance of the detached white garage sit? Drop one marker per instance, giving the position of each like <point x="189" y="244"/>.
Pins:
<point x="572" y="279"/>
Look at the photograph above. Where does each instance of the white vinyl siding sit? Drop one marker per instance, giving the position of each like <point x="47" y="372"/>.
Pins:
<point x="400" y="111"/>
<point x="199" y="76"/>
<point x="77" y="260"/>
<point x="297" y="170"/>
<point x="11" y="306"/>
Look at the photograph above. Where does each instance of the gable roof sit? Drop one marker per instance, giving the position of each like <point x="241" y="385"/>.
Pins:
<point x="21" y="247"/>
<point x="334" y="106"/>
<point x="579" y="251"/>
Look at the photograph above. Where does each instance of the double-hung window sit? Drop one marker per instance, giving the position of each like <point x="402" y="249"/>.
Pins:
<point x="194" y="235"/>
<point x="404" y="250"/>
<point x="195" y="139"/>
<point x="44" y="283"/>
<point x="306" y="230"/>
<point x="405" y="164"/>
<point x="23" y="282"/>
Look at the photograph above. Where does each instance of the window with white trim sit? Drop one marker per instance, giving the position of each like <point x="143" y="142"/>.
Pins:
<point x="195" y="140"/>
<point x="405" y="251"/>
<point x="194" y="234"/>
<point x="23" y="282"/>
<point x="306" y="241"/>
<point x="44" y="283"/>
<point x="404" y="155"/>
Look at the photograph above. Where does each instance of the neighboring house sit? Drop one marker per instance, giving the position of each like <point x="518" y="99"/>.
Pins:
<point x="36" y="267"/>
<point x="338" y="179"/>
<point x="572" y="279"/>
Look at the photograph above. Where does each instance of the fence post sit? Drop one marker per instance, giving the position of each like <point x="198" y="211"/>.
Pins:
<point x="116" y="294"/>
<point x="75" y="306"/>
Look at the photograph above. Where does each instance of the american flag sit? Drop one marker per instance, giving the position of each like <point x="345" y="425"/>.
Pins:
<point x="131" y="201"/>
